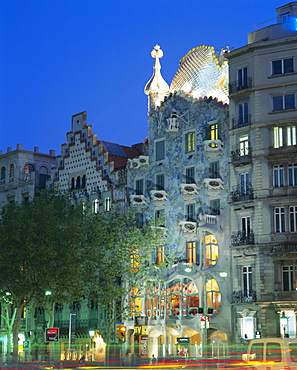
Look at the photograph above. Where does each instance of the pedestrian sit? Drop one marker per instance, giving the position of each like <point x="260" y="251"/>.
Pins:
<point x="154" y="360"/>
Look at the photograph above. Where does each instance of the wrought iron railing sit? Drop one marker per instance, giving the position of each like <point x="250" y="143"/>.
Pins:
<point x="242" y="193"/>
<point x="241" y="121"/>
<point x="243" y="238"/>
<point x="240" y="85"/>
<point x="241" y="154"/>
<point x="243" y="296"/>
<point x="88" y="323"/>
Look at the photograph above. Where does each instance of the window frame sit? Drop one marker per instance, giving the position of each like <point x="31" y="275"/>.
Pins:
<point x="292" y="174"/>
<point x="278" y="176"/>
<point x="160" y="150"/>
<point x="190" y="142"/>
<point x="279" y="220"/>
<point x="280" y="100"/>
<point x="160" y="185"/>
<point x="282" y="66"/>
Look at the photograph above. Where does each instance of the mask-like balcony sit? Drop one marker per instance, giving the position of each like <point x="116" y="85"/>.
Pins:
<point x="213" y="184"/>
<point x="138" y="162"/>
<point x="213" y="146"/>
<point x="188" y="227"/>
<point x="138" y="200"/>
<point x="188" y="189"/>
<point x="158" y="196"/>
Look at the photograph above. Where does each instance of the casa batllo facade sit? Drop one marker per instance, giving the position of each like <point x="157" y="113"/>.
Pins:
<point x="183" y="185"/>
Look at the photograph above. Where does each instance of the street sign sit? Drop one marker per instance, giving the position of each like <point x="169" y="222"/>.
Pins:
<point x="204" y="321"/>
<point x="52" y="334"/>
<point x="183" y="340"/>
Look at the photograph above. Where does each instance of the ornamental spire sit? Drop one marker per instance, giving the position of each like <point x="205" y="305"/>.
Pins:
<point x="156" y="87"/>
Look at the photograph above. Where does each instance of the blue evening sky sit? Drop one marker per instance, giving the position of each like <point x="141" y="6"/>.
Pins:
<point x="61" y="57"/>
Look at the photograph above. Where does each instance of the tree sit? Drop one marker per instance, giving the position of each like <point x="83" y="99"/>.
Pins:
<point x="121" y="258"/>
<point x="41" y="246"/>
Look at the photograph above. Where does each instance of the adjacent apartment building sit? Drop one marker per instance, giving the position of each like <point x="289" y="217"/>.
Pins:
<point x="263" y="179"/>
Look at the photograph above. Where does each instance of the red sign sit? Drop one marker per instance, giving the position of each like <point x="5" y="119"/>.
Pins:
<point x="52" y="334"/>
<point x="204" y="318"/>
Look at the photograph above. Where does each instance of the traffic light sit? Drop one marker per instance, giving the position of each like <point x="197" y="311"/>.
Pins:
<point x="121" y="332"/>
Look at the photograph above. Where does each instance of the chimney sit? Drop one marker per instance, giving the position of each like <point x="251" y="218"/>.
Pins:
<point x="52" y="152"/>
<point x="36" y="149"/>
<point x="9" y="149"/>
<point x="19" y="146"/>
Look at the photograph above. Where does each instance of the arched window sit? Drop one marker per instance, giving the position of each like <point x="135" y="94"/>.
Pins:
<point x="83" y="182"/>
<point x="77" y="182"/>
<point x="211" y="249"/>
<point x="213" y="294"/>
<point x="28" y="168"/>
<point x="72" y="183"/>
<point x="3" y="173"/>
<point x="190" y="298"/>
<point x="43" y="170"/>
<point x="174" y="295"/>
<point x="155" y="300"/>
<point x="11" y="171"/>
<point x="135" y="302"/>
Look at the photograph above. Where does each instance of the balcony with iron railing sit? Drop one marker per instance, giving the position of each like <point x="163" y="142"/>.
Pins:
<point x="241" y="121"/>
<point x="241" y="154"/>
<point x="240" y="85"/>
<point x="243" y="238"/>
<point x="242" y="193"/>
<point x="80" y="324"/>
<point x="212" y="174"/>
<point x="244" y="296"/>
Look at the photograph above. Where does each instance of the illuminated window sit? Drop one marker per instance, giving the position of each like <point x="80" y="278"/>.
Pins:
<point x="135" y="302"/>
<point x="211" y="249"/>
<point x="174" y="295"/>
<point x="192" y="252"/>
<point x="134" y="260"/>
<point x="282" y="66"/>
<point x="190" y="299"/>
<point x="190" y="142"/>
<point x="283" y="102"/>
<point x="214" y="132"/>
<point x="107" y="204"/>
<point x="291" y="135"/>
<point x="243" y="145"/>
<point x="29" y="168"/>
<point x="279" y="219"/>
<point x="278" y="137"/>
<point x="160" y="150"/>
<point x="160" y="254"/>
<point x="213" y="294"/>
<point x="155" y="300"/>
<point x="278" y="176"/>
<point x="96" y="206"/>
<point x="292" y="169"/>
<point x="245" y="186"/>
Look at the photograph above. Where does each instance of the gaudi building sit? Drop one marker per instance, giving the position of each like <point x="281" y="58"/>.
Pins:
<point x="183" y="185"/>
